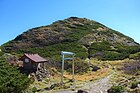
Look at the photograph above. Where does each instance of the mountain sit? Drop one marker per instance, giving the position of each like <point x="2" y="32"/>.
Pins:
<point x="87" y="38"/>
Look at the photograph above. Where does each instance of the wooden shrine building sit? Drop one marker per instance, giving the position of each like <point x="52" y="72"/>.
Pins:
<point x="33" y="62"/>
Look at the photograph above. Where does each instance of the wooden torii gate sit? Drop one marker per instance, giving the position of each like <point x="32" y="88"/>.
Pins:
<point x="71" y="58"/>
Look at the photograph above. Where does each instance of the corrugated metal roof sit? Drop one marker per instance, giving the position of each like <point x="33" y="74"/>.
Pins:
<point x="35" y="57"/>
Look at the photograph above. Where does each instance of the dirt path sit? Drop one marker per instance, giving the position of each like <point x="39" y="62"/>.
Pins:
<point x="99" y="86"/>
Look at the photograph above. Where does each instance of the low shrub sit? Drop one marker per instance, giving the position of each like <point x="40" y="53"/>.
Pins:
<point x="116" y="89"/>
<point x="11" y="80"/>
<point x="134" y="84"/>
<point x="34" y="89"/>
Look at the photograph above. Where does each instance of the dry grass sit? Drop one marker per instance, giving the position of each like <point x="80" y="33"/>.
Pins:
<point x="39" y="85"/>
<point x="90" y="75"/>
<point x="104" y="71"/>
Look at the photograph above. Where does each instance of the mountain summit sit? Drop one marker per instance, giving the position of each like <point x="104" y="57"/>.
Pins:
<point x="77" y="35"/>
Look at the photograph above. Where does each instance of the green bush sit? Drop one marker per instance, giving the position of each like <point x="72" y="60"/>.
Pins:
<point x="55" y="50"/>
<point x="1" y="53"/>
<point x="116" y="89"/>
<point x="34" y="89"/>
<point x="135" y="56"/>
<point x="117" y="52"/>
<point x="11" y="80"/>
<point x="101" y="46"/>
<point x="134" y="84"/>
<point x="112" y="55"/>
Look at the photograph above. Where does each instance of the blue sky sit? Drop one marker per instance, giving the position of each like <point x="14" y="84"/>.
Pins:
<point x="17" y="16"/>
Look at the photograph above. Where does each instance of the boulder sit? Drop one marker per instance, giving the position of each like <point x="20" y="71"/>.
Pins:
<point x="82" y="91"/>
<point x="95" y="68"/>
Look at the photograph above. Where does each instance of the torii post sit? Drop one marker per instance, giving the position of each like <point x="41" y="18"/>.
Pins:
<point x="63" y="58"/>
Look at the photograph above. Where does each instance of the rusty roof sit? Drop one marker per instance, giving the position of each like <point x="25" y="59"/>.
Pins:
<point x="35" y="58"/>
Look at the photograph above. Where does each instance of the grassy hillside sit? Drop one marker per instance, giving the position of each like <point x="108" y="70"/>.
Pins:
<point x="76" y="35"/>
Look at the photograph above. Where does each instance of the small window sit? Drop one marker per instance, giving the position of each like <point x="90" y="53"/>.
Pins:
<point x="26" y="60"/>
